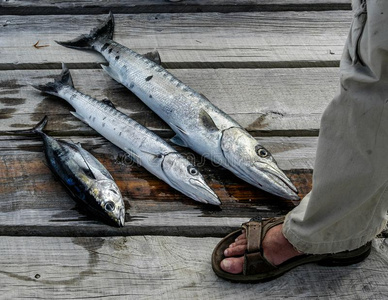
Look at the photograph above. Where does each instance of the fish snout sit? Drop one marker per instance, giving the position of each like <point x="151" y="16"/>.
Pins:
<point x="203" y="193"/>
<point x="121" y="217"/>
<point x="278" y="183"/>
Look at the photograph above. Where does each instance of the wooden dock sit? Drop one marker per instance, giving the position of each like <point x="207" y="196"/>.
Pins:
<point x="272" y="65"/>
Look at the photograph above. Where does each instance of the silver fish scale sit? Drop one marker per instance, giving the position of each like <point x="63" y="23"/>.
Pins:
<point x="168" y="97"/>
<point x="115" y="126"/>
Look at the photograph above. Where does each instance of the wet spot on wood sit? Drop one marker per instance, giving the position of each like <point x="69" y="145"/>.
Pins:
<point x="12" y="83"/>
<point x="149" y="78"/>
<point x="264" y="120"/>
<point x="9" y="101"/>
<point x="6" y="113"/>
<point x="258" y="123"/>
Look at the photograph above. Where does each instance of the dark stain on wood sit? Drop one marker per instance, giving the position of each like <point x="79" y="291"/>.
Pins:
<point x="259" y="123"/>
<point x="10" y="84"/>
<point x="9" y="101"/>
<point x="6" y="113"/>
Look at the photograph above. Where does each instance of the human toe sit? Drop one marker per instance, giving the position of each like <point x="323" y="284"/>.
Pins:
<point x="235" y="251"/>
<point x="233" y="265"/>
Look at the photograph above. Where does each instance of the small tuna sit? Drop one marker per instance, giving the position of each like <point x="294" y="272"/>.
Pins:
<point x="198" y="123"/>
<point x="86" y="179"/>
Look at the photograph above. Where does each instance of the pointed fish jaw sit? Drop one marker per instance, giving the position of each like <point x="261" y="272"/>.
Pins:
<point x="204" y="193"/>
<point x="120" y="221"/>
<point x="270" y="179"/>
<point x="184" y="177"/>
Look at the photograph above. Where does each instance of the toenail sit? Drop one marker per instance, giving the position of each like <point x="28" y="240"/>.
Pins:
<point x="226" y="252"/>
<point x="226" y="264"/>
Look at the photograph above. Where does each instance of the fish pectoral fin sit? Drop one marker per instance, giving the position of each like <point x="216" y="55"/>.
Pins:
<point x="112" y="73"/>
<point x="153" y="56"/>
<point x="108" y="102"/>
<point x="207" y="121"/>
<point x="178" y="141"/>
<point x="74" y="113"/>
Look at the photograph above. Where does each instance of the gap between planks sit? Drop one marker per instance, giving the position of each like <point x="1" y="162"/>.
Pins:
<point x="48" y="7"/>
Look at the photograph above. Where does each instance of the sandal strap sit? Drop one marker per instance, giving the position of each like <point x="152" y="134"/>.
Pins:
<point x="254" y="261"/>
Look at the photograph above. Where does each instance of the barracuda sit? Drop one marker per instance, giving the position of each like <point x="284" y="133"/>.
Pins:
<point x="86" y="179"/>
<point x="198" y="124"/>
<point x="142" y="145"/>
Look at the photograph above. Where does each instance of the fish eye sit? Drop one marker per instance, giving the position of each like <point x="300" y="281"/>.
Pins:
<point x="109" y="206"/>
<point x="262" y="152"/>
<point x="192" y="170"/>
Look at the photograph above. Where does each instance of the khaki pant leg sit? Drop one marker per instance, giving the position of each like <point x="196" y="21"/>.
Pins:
<point x="349" y="199"/>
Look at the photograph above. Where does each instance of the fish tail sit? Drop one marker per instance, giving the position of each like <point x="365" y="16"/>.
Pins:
<point x="37" y="129"/>
<point x="102" y="32"/>
<point x="64" y="79"/>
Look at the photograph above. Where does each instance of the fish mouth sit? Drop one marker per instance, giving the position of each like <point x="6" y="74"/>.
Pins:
<point x="284" y="186"/>
<point x="270" y="180"/>
<point x="206" y="194"/>
<point x="121" y="219"/>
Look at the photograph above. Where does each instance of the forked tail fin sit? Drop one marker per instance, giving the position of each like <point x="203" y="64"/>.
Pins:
<point x="37" y="129"/>
<point x="64" y="79"/>
<point x="86" y="41"/>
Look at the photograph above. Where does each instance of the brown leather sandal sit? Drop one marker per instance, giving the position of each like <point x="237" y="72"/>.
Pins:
<point x="257" y="268"/>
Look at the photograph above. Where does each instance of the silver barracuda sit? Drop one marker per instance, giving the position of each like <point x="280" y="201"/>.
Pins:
<point x="198" y="124"/>
<point x="142" y="145"/>
<point x="86" y="179"/>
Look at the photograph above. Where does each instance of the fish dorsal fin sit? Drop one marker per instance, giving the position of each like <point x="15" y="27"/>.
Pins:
<point x="179" y="138"/>
<point x="94" y="165"/>
<point x="154" y="56"/>
<point x="81" y="160"/>
<point x="112" y="73"/>
<point x="108" y="102"/>
<point x="207" y="121"/>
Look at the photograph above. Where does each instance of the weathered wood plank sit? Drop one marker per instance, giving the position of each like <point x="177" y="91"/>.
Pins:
<point x="146" y="267"/>
<point x="33" y="202"/>
<point x="210" y="40"/>
<point x="28" y="7"/>
<point x="264" y="101"/>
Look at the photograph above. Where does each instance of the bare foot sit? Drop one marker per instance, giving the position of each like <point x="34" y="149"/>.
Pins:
<point x="276" y="248"/>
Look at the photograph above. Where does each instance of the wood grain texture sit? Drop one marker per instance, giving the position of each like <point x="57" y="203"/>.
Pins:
<point x="168" y="268"/>
<point x="206" y="40"/>
<point x="35" y="203"/>
<point x="264" y="101"/>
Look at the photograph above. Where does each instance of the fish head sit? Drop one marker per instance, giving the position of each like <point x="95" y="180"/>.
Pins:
<point x="110" y="201"/>
<point x="255" y="164"/>
<point x="186" y="178"/>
